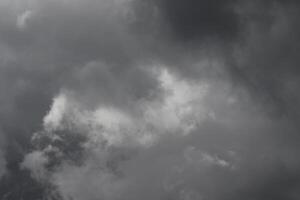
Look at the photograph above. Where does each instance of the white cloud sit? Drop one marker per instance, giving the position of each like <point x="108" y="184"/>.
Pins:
<point x="23" y="18"/>
<point x="112" y="130"/>
<point x="179" y="112"/>
<point x="182" y="108"/>
<point x="198" y="157"/>
<point x="35" y="162"/>
<point x="115" y="125"/>
<point x="53" y="119"/>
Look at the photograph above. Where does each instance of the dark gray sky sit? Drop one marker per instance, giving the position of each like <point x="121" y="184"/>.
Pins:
<point x="149" y="99"/>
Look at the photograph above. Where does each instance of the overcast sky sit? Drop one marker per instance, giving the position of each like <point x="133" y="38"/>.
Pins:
<point x="149" y="100"/>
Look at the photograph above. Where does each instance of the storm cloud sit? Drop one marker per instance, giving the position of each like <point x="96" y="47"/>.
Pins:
<point x="160" y="99"/>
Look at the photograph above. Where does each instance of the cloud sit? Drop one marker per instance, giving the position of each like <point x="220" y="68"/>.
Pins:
<point x="53" y="119"/>
<point x="186" y="165"/>
<point x="35" y="162"/>
<point x="197" y="19"/>
<point x="134" y="99"/>
<point x="268" y="58"/>
<point x="2" y="165"/>
<point x="3" y="162"/>
<point x="22" y="19"/>
<point x="179" y="111"/>
<point x="101" y="184"/>
<point x="194" y="156"/>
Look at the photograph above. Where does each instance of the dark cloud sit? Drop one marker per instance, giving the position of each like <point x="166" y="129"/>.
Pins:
<point x="198" y="19"/>
<point x="163" y="99"/>
<point x="267" y="59"/>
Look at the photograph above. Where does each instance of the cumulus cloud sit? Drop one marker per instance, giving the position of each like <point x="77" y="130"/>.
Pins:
<point x="35" y="162"/>
<point x="177" y="112"/>
<point x="185" y="163"/>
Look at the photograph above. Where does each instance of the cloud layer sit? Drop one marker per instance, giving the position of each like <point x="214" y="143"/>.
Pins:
<point x="162" y="99"/>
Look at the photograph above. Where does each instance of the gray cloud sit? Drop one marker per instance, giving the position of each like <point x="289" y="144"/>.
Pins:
<point x="268" y="61"/>
<point x="160" y="99"/>
<point x="197" y="19"/>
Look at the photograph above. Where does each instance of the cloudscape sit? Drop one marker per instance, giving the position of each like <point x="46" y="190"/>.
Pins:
<point x="149" y="99"/>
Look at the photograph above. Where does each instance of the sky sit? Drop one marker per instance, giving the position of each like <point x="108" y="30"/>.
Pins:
<point x="149" y="99"/>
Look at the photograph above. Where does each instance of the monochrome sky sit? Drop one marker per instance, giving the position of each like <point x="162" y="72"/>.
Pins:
<point x="149" y="99"/>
